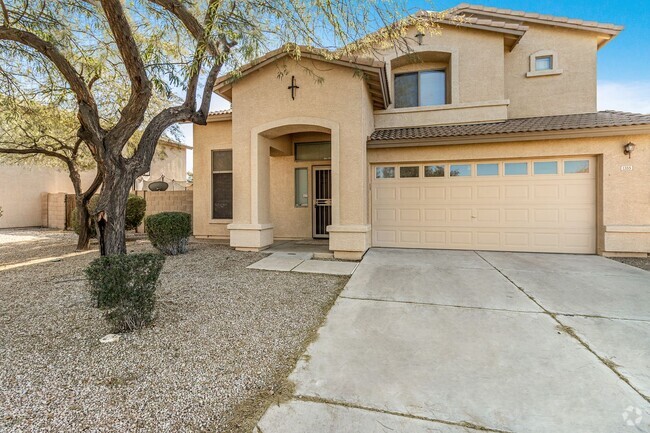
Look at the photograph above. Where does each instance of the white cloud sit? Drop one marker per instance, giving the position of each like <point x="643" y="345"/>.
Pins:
<point x="631" y="96"/>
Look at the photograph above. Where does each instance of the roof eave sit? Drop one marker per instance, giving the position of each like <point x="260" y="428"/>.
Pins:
<point x="609" y="29"/>
<point x="602" y="131"/>
<point x="223" y="85"/>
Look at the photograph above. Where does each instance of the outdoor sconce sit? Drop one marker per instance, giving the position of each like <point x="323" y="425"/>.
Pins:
<point x="419" y="36"/>
<point x="628" y="149"/>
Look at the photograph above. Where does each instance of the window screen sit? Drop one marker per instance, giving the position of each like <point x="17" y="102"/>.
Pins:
<point x="406" y="90"/>
<point x="302" y="187"/>
<point x="222" y="184"/>
<point x="419" y="89"/>
<point x="314" y="151"/>
<point x="544" y="63"/>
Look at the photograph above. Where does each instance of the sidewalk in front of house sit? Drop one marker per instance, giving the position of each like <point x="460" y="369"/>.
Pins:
<point x="303" y="262"/>
<point x="463" y="341"/>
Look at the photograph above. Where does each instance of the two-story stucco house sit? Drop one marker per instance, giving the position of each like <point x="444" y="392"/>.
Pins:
<point x="489" y="140"/>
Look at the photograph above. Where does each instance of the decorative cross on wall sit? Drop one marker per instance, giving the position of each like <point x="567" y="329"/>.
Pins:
<point x="293" y="87"/>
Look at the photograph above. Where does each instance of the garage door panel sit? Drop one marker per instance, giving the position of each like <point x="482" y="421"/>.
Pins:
<point x="460" y="215"/>
<point x="546" y="216"/>
<point x="383" y="193"/>
<point x="546" y="213"/>
<point x="435" y="193"/>
<point x="490" y="192"/>
<point x="516" y="192"/>
<point x="407" y="193"/>
<point x="461" y="192"/>
<point x="409" y="216"/>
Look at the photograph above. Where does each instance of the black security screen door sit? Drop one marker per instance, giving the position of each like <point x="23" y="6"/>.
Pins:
<point x="322" y="201"/>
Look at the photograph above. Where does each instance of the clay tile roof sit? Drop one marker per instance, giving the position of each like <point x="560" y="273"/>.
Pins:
<point x="602" y="119"/>
<point x="220" y="112"/>
<point x="487" y="22"/>
<point x="465" y="8"/>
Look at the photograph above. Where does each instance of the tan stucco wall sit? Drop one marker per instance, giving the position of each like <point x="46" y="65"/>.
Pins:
<point x="623" y="212"/>
<point x="338" y="101"/>
<point x="475" y="74"/>
<point x="22" y="186"/>
<point x="213" y="136"/>
<point x="170" y="161"/>
<point x="481" y="70"/>
<point x="572" y="91"/>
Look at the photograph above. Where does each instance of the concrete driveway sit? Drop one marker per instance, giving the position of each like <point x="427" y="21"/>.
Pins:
<point x="461" y="341"/>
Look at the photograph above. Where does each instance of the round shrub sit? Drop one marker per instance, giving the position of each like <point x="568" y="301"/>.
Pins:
<point x="135" y="209"/>
<point x="124" y="286"/>
<point x="169" y="232"/>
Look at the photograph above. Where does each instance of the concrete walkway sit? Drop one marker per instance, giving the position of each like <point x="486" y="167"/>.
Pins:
<point x="461" y="341"/>
<point x="303" y="262"/>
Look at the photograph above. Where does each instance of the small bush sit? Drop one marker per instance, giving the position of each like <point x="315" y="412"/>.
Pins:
<point x="169" y="231"/>
<point x="135" y="209"/>
<point x="124" y="286"/>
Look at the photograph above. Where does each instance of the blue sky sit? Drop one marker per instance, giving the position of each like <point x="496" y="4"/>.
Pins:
<point x="623" y="64"/>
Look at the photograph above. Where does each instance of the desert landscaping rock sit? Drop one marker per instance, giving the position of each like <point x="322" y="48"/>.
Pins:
<point x="224" y="341"/>
<point x="110" y="338"/>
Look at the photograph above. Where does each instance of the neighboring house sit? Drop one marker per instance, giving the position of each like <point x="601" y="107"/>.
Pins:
<point x="489" y="140"/>
<point x="169" y="163"/>
<point x="21" y="186"/>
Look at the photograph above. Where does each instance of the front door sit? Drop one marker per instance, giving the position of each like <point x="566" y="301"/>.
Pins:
<point x="322" y="180"/>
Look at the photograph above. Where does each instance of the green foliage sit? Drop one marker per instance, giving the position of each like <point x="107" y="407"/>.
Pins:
<point x="124" y="286"/>
<point x="169" y="232"/>
<point x="135" y="209"/>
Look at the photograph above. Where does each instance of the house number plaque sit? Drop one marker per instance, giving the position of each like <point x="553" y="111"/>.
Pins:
<point x="626" y="168"/>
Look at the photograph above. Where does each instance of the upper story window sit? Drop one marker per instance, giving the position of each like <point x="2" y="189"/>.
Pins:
<point x="421" y="88"/>
<point x="544" y="63"/>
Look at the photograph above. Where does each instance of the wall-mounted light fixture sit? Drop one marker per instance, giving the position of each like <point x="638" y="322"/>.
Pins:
<point x="628" y="149"/>
<point x="419" y="37"/>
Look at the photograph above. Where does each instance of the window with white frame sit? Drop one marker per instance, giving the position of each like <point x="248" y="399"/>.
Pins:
<point x="543" y="63"/>
<point x="222" y="184"/>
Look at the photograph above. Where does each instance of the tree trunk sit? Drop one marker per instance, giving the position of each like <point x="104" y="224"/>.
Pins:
<point x="111" y="210"/>
<point x="84" y="219"/>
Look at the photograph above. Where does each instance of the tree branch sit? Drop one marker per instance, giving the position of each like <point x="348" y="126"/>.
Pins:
<point x="5" y="13"/>
<point x="190" y="22"/>
<point x="35" y="151"/>
<point x="141" y="89"/>
<point x="87" y="114"/>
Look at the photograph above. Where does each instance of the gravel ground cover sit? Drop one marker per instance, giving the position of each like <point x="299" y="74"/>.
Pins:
<point x="643" y="263"/>
<point x="21" y="245"/>
<point x="223" y="343"/>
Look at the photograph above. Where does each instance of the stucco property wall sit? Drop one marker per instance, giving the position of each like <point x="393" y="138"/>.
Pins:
<point x="623" y="196"/>
<point x="22" y="187"/>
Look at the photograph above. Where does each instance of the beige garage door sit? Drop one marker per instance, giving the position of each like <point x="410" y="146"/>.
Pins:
<point x="545" y="205"/>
